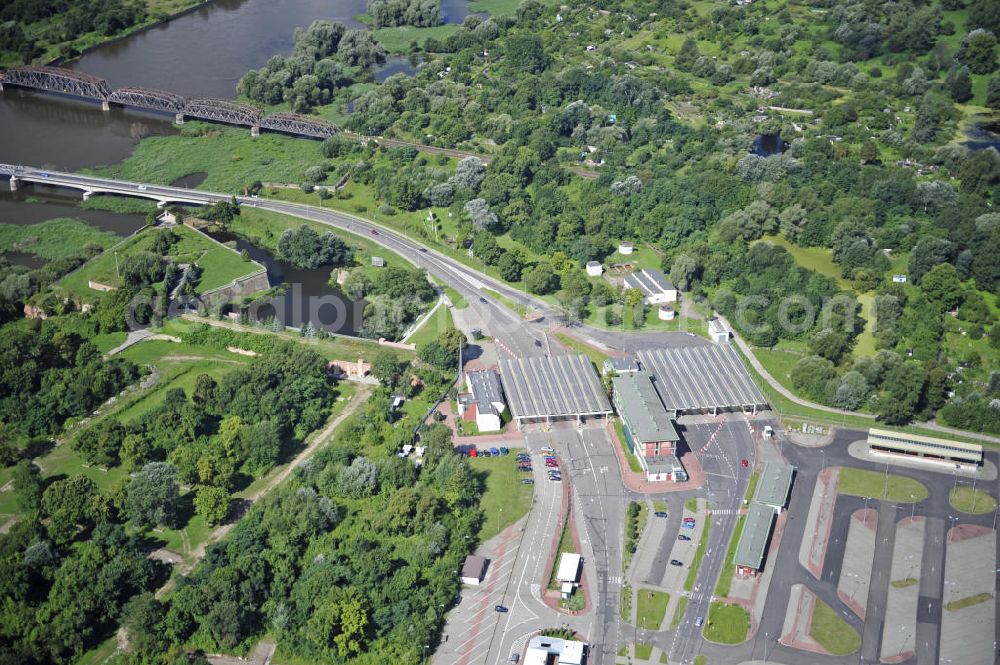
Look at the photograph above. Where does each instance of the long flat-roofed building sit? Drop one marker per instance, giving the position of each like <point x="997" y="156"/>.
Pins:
<point x="774" y="485"/>
<point x="700" y="379"/>
<point x="647" y="427"/>
<point x="547" y="389"/>
<point x="752" y="548"/>
<point x="932" y="449"/>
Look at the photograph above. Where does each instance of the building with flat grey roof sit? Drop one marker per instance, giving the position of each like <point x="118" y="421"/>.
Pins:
<point x="752" y="548"/>
<point x="546" y="389"/>
<point x="700" y="379"/>
<point x="483" y="404"/>
<point x="646" y="426"/>
<point x="774" y="485"/>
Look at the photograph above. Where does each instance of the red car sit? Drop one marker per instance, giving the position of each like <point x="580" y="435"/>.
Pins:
<point x="744" y="463"/>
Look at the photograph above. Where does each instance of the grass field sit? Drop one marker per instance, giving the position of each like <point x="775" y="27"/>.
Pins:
<point x="432" y="326"/>
<point x="506" y="498"/>
<point x="643" y="651"/>
<point x="53" y="239"/>
<point x="625" y="606"/>
<point x="651" y="607"/>
<point x="968" y="500"/>
<point x="891" y="487"/>
<point x="220" y="264"/>
<point x="398" y="39"/>
<point x="726" y="624"/>
<point x="456" y="298"/>
<point x="833" y="633"/>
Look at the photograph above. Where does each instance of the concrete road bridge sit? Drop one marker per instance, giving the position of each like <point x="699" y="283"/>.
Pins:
<point x="77" y="84"/>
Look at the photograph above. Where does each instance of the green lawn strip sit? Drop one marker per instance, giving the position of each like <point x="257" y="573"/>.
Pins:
<point x="565" y="545"/>
<point x="969" y="601"/>
<point x="107" y="341"/>
<point x="512" y="305"/>
<point x="124" y="205"/>
<point x="339" y="347"/>
<point x="506" y="499"/>
<point x="64" y="461"/>
<point x="186" y="539"/>
<point x="575" y="345"/>
<point x="53" y="239"/>
<point x="633" y="462"/>
<point x="456" y="298"/>
<point x="634" y="527"/>
<point x="691" y="505"/>
<point x="698" y="555"/>
<point x="968" y="500"/>
<point x="625" y="606"/>
<point x="643" y="651"/>
<point x="833" y="633"/>
<point x="432" y="326"/>
<point x="659" y="506"/>
<point x="701" y="659"/>
<point x="679" y="611"/>
<point x="871" y="484"/>
<point x="902" y="584"/>
<point x="726" y="624"/>
<point x="100" y="653"/>
<point x="651" y="607"/>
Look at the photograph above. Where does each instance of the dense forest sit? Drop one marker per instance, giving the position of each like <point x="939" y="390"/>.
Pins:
<point x="55" y="21"/>
<point x="418" y="13"/>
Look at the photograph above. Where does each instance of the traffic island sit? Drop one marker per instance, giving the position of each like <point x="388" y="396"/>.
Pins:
<point x="812" y="625"/>
<point x="859" y="555"/>
<point x="900" y="635"/>
<point x="819" y="522"/>
<point x="727" y="623"/>
<point x="968" y="616"/>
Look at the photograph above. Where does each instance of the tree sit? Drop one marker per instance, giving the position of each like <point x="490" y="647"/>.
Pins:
<point x="683" y="271"/>
<point x="942" y="286"/>
<point x="811" y="375"/>
<point x="993" y="92"/>
<point x="359" y="480"/>
<point x="212" y="503"/>
<point x="687" y="56"/>
<point x="141" y="617"/>
<point x="152" y="496"/>
<point x="387" y="368"/>
<point x="959" y="83"/>
<point x="978" y="51"/>
<point x="984" y="14"/>
<point x="901" y="393"/>
<point x="541" y="279"/>
<point x="27" y="480"/>
<point x="511" y="266"/>
<point x="525" y="52"/>
<point x="927" y="253"/>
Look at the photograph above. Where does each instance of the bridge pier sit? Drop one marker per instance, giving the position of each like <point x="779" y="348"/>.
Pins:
<point x="14" y="183"/>
<point x="105" y="106"/>
<point x="254" y="131"/>
<point x="86" y="194"/>
<point x="179" y="119"/>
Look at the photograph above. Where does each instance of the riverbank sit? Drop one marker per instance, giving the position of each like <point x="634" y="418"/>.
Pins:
<point x="160" y="13"/>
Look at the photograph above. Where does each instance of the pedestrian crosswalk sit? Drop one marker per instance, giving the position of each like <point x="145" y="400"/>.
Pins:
<point x="725" y="511"/>
<point x="614" y="579"/>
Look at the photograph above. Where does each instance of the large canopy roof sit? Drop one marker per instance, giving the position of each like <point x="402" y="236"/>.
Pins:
<point x="701" y="377"/>
<point x="552" y="387"/>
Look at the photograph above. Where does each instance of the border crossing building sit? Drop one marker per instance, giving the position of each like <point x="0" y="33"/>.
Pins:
<point x="552" y="389"/>
<point x="915" y="446"/>
<point x="769" y="500"/>
<point x="647" y="428"/>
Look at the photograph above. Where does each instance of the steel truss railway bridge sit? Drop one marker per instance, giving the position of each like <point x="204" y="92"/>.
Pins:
<point x="77" y="84"/>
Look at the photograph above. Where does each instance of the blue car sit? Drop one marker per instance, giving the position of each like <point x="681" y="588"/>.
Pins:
<point x="495" y="451"/>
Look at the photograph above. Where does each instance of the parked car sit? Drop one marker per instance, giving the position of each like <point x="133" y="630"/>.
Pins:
<point x="526" y="469"/>
<point x="687" y="525"/>
<point x="675" y="562"/>
<point x="514" y="657"/>
<point x="504" y="451"/>
<point x="495" y="452"/>
<point x="546" y="449"/>
<point x="683" y="537"/>
<point x="472" y="452"/>
<point x="527" y="481"/>
<point x="558" y="479"/>
<point x="689" y="519"/>
<point x="660" y="513"/>
<point x="485" y="453"/>
<point x="500" y="608"/>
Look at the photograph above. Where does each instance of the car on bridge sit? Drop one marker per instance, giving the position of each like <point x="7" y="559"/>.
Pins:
<point x="142" y="188"/>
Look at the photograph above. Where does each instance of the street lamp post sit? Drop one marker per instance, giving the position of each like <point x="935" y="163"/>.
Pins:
<point x="425" y="654"/>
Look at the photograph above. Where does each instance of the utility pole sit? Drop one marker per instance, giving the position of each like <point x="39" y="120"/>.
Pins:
<point x="117" y="274"/>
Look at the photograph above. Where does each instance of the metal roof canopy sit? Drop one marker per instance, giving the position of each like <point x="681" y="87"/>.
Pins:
<point x="701" y="377"/>
<point x="641" y="408"/>
<point x="775" y="483"/>
<point x="756" y="534"/>
<point x="925" y="445"/>
<point x="553" y="386"/>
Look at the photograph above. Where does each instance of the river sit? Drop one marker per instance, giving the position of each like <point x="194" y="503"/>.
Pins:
<point x="202" y="53"/>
